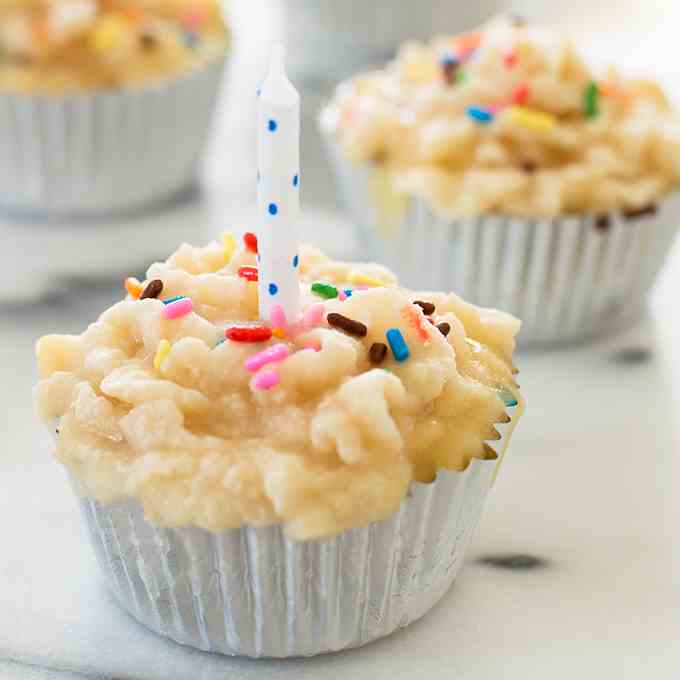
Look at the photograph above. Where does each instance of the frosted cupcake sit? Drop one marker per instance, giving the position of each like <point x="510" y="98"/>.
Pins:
<point x="497" y="163"/>
<point x="105" y="104"/>
<point x="280" y="491"/>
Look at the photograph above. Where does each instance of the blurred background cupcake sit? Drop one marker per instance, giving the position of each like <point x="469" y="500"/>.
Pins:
<point x="496" y="163"/>
<point x="105" y="105"/>
<point x="330" y="40"/>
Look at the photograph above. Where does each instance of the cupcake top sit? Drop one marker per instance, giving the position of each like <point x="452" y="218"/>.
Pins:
<point x="510" y="120"/>
<point x="57" y="46"/>
<point x="178" y="396"/>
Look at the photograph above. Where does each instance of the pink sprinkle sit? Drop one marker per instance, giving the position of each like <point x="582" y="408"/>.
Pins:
<point x="342" y="296"/>
<point x="193" y="18"/>
<point x="314" y="315"/>
<point x="265" y="380"/>
<point x="278" y="317"/>
<point x="178" y="308"/>
<point x="267" y="356"/>
<point x="312" y="344"/>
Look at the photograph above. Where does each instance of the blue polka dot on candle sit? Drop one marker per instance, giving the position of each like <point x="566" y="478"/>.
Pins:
<point x="296" y="261"/>
<point x="273" y="209"/>
<point x="259" y="91"/>
<point x="272" y="125"/>
<point x="258" y="175"/>
<point x="296" y="180"/>
<point x="273" y="289"/>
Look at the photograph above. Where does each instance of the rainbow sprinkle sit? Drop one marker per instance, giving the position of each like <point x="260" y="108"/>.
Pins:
<point x="162" y="352"/>
<point x="397" y="344"/>
<point x="591" y="100"/>
<point x="229" y="245"/>
<point x="325" y="290"/>
<point x="532" y="119"/>
<point x="359" y="279"/>
<point x="480" y="114"/>
<point x="265" y="380"/>
<point x="270" y="355"/>
<point x="178" y="308"/>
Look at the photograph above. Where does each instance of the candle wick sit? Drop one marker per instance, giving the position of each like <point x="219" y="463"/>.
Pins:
<point x="277" y="61"/>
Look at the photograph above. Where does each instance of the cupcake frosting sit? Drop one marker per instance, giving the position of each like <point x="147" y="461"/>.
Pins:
<point x="55" y="46"/>
<point x="179" y="397"/>
<point x="511" y="120"/>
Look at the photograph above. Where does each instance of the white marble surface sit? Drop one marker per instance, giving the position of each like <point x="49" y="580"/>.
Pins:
<point x="587" y="490"/>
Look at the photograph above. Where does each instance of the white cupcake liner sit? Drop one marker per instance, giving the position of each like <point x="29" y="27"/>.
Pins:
<point x="254" y="592"/>
<point x="565" y="278"/>
<point x="104" y="152"/>
<point x="329" y="40"/>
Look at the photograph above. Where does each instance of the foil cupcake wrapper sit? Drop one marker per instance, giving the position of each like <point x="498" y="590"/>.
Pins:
<point x="567" y="279"/>
<point x="104" y="152"/>
<point x="255" y="592"/>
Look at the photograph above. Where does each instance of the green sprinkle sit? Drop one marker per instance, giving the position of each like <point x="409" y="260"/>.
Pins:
<point x="325" y="290"/>
<point x="591" y="100"/>
<point x="460" y="76"/>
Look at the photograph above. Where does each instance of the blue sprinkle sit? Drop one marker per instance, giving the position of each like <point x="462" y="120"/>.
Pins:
<point x="480" y="114"/>
<point x="296" y="261"/>
<point x="509" y="399"/>
<point x="296" y="180"/>
<point x="348" y="292"/>
<point x="173" y="299"/>
<point x="259" y="91"/>
<point x="258" y="257"/>
<point x="273" y="209"/>
<point x="273" y="289"/>
<point x="219" y="342"/>
<point x="190" y="39"/>
<point x="272" y="125"/>
<point x="450" y="60"/>
<point x="398" y="344"/>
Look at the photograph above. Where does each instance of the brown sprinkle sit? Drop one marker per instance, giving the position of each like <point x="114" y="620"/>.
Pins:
<point x="444" y="328"/>
<point x="644" y="211"/>
<point x="348" y="325"/>
<point x="377" y="353"/>
<point x="529" y="167"/>
<point x="153" y="289"/>
<point x="427" y="307"/>
<point x="148" y="41"/>
<point x="602" y="222"/>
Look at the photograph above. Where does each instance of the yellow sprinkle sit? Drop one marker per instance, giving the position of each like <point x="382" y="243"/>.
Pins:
<point x="363" y="279"/>
<point x="109" y="31"/>
<point x="162" y="352"/>
<point x="229" y="243"/>
<point x="536" y="120"/>
<point x="279" y="333"/>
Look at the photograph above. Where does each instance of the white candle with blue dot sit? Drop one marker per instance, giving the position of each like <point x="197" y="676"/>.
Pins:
<point x="278" y="191"/>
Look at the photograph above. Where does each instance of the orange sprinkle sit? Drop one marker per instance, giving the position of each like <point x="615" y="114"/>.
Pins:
<point x="133" y="287"/>
<point x="279" y="333"/>
<point x="132" y="13"/>
<point x="415" y="320"/>
<point x="468" y="42"/>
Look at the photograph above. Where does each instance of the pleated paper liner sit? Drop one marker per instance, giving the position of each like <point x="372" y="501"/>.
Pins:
<point x="105" y="152"/>
<point x="568" y="279"/>
<point x="254" y="592"/>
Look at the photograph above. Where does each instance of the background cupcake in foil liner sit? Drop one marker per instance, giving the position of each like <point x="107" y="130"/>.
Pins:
<point x="316" y="515"/>
<point x="496" y="164"/>
<point x="105" y="107"/>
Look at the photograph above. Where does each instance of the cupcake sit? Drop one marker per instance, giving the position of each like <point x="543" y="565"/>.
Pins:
<point x="497" y="164"/>
<point x="280" y="491"/>
<point x="105" y="104"/>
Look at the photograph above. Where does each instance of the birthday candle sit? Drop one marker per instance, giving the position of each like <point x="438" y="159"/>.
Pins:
<point x="278" y="157"/>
